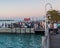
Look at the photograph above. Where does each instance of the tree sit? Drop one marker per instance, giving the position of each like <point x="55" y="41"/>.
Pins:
<point x="53" y="15"/>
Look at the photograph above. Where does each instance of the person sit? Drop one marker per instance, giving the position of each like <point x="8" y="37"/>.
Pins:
<point x="55" y="28"/>
<point x="49" y="27"/>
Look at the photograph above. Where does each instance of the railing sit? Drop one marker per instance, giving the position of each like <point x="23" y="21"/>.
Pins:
<point x="17" y="30"/>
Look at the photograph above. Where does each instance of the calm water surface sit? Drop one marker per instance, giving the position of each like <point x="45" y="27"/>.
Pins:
<point x="20" y="41"/>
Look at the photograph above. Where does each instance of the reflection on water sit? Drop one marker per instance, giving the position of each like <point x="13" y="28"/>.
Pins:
<point x="20" y="41"/>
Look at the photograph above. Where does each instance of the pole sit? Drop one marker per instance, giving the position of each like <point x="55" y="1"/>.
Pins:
<point x="46" y="26"/>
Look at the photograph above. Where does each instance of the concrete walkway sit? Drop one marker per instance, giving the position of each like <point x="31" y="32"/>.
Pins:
<point x="55" y="41"/>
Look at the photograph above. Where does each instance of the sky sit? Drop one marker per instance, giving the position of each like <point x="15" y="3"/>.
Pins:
<point x="25" y="8"/>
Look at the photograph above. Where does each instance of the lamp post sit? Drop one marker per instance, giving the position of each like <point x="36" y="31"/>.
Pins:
<point x="46" y="26"/>
<point x="46" y="18"/>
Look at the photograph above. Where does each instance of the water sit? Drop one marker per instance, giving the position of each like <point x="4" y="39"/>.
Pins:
<point x="20" y="41"/>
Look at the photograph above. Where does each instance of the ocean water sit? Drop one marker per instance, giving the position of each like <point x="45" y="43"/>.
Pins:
<point x="20" y="41"/>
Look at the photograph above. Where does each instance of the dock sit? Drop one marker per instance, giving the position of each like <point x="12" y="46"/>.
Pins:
<point x="21" y="30"/>
<point x="17" y="30"/>
<point x="39" y="31"/>
<point x="55" y="41"/>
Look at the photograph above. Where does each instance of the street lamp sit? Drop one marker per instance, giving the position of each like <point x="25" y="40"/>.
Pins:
<point x="46" y="25"/>
<point x="46" y="18"/>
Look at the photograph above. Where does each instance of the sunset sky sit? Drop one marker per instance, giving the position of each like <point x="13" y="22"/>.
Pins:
<point x="25" y="8"/>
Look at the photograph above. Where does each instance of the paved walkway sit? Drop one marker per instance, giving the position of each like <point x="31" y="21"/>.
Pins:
<point x="55" y="41"/>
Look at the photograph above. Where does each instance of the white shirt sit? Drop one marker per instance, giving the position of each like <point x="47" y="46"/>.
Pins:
<point x="48" y="25"/>
<point x="55" y="25"/>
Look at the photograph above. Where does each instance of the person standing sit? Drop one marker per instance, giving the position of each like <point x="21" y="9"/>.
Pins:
<point x="49" y="27"/>
<point x="55" y="28"/>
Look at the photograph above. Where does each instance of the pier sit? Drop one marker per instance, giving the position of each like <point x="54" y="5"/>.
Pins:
<point x="21" y="30"/>
<point x="25" y="26"/>
<point x="17" y="30"/>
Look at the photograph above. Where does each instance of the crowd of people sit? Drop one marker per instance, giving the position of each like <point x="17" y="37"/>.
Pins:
<point x="32" y="24"/>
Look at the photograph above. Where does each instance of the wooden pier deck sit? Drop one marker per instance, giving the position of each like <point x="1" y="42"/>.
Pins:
<point x="55" y="41"/>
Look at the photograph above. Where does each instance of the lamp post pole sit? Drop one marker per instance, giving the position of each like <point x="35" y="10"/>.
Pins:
<point x="46" y="26"/>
